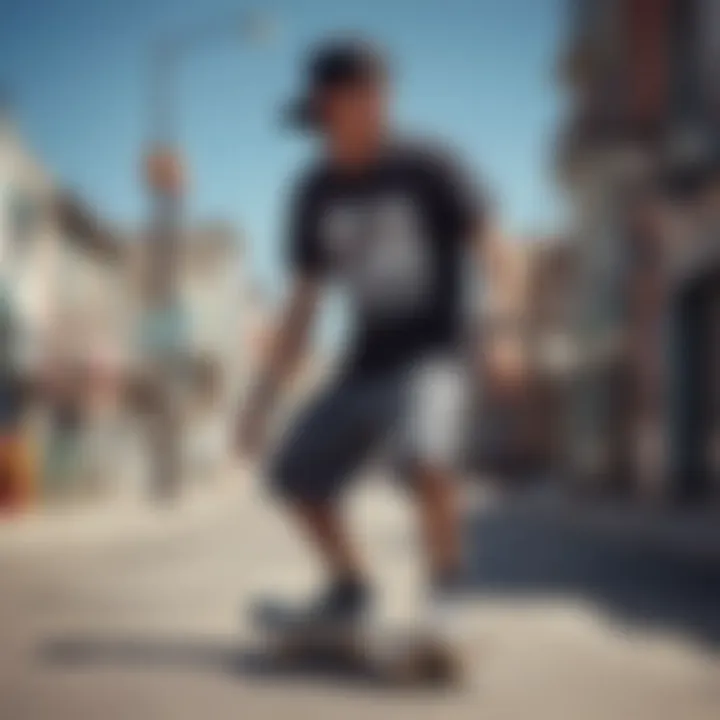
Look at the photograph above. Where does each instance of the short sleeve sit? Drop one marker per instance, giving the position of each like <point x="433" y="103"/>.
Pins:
<point x="462" y="202"/>
<point x="303" y="250"/>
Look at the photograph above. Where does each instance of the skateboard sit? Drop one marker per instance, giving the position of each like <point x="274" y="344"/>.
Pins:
<point x="390" y="653"/>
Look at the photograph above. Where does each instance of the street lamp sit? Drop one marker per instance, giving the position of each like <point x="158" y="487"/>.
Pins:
<point x="253" y="28"/>
<point x="164" y="176"/>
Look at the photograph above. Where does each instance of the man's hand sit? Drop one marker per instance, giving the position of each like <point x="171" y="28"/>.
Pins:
<point x="253" y="421"/>
<point x="285" y="352"/>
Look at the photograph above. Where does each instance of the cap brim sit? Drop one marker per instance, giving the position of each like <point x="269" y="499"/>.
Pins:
<point x="299" y="115"/>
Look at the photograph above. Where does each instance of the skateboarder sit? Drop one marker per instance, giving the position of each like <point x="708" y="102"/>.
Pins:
<point x="394" y="223"/>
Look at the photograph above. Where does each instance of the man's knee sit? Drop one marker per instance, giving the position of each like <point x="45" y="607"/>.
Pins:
<point x="297" y="475"/>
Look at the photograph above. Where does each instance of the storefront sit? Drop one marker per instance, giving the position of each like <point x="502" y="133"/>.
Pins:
<point x="695" y="421"/>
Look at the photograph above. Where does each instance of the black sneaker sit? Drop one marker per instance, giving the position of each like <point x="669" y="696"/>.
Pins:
<point x="343" y="603"/>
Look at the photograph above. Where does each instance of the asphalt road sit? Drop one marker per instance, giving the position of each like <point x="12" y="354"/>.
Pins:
<point x="564" y="623"/>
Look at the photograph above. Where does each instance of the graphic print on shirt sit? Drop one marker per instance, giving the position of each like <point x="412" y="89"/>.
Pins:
<point x="379" y="249"/>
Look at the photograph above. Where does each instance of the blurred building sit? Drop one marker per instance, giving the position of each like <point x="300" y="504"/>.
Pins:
<point x="639" y="158"/>
<point x="552" y="349"/>
<point x="78" y="294"/>
<point x="529" y="352"/>
<point x="62" y="281"/>
<point x="216" y="301"/>
<point x="213" y="293"/>
<point x="215" y="329"/>
<point x="56" y="258"/>
<point x="498" y="441"/>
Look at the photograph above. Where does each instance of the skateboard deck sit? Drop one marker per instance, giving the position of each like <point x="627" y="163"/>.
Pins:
<point x="395" y="654"/>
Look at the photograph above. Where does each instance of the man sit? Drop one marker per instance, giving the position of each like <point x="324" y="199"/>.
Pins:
<point x="392" y="223"/>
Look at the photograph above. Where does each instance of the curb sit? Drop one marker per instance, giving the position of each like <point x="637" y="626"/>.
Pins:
<point x="686" y="535"/>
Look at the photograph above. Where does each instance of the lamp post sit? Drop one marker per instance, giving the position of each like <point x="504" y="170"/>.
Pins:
<point x="164" y="175"/>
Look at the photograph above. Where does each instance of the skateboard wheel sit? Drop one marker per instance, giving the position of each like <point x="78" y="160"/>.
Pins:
<point x="434" y="666"/>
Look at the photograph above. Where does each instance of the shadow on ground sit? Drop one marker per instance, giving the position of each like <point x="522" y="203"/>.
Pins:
<point x="522" y="553"/>
<point x="258" y="663"/>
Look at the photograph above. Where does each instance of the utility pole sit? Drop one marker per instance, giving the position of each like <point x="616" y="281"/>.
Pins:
<point x="164" y="174"/>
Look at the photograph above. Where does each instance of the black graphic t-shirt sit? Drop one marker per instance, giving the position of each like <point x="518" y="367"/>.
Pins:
<point x="395" y="238"/>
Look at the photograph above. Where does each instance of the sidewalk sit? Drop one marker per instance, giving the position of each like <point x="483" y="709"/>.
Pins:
<point x="109" y="520"/>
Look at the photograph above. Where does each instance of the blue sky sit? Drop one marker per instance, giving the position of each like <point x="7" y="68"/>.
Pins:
<point x="477" y="72"/>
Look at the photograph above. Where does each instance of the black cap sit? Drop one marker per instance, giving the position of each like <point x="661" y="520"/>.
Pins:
<point x="340" y="63"/>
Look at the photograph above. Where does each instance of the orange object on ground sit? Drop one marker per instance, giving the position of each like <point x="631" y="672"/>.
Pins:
<point x="17" y="473"/>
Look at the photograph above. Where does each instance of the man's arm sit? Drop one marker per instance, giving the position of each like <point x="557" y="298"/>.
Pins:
<point x="282" y="361"/>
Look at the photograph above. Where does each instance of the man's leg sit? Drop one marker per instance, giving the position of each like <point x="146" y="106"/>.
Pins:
<point x="323" y="524"/>
<point x="321" y="453"/>
<point x="433" y="435"/>
<point x="439" y="515"/>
